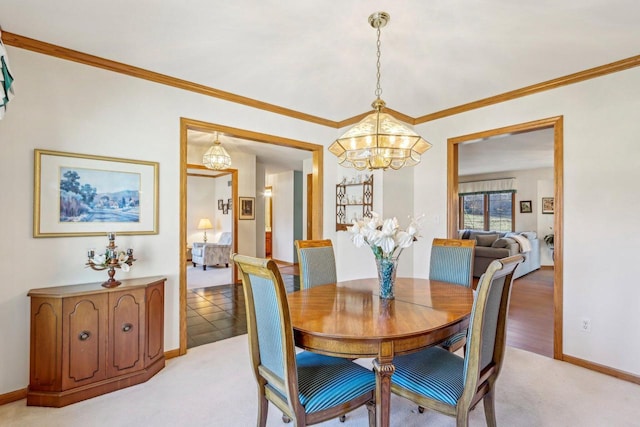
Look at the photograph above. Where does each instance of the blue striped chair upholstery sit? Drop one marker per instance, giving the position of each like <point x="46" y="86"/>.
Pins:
<point x="317" y="262"/>
<point x="452" y="261"/>
<point x="308" y="388"/>
<point x="443" y="381"/>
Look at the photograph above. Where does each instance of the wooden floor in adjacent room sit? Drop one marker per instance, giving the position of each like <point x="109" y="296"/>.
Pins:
<point x="530" y="324"/>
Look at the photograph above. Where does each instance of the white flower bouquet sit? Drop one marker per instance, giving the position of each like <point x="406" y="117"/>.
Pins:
<point x="385" y="237"/>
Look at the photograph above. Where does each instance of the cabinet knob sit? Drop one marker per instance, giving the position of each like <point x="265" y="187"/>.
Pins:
<point x="127" y="327"/>
<point x="84" y="335"/>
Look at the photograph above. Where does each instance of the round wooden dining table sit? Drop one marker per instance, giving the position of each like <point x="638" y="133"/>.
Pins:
<point x="350" y="320"/>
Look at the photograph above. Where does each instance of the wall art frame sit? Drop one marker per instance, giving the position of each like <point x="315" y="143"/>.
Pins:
<point x="525" y="206"/>
<point x="547" y="205"/>
<point x="247" y="208"/>
<point x="87" y="195"/>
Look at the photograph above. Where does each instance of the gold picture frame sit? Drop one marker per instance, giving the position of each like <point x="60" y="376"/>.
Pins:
<point x="86" y="195"/>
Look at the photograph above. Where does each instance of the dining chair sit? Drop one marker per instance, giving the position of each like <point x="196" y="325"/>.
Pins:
<point x="452" y="262"/>
<point x="445" y="382"/>
<point x="317" y="262"/>
<point x="307" y="387"/>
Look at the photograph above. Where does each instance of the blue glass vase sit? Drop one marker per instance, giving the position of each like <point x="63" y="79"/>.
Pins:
<point x="386" y="276"/>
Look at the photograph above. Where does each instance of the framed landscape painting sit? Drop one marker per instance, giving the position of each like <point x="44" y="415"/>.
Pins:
<point x="86" y="195"/>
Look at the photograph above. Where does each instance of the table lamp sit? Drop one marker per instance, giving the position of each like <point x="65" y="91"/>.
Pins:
<point x="205" y="225"/>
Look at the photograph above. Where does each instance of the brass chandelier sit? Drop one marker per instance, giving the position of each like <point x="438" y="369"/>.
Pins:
<point x="216" y="156"/>
<point x="379" y="141"/>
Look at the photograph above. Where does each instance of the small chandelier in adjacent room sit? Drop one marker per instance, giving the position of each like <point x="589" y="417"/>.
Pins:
<point x="216" y="157"/>
<point x="379" y="141"/>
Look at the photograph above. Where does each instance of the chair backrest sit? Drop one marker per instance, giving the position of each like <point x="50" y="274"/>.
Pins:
<point x="317" y="262"/>
<point x="269" y="327"/>
<point x="225" y="238"/>
<point x="452" y="261"/>
<point x="487" y="326"/>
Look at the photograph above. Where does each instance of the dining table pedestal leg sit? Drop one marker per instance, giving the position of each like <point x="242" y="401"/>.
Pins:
<point x="383" y="369"/>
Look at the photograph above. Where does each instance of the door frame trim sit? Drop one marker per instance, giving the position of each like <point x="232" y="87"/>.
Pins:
<point x="452" y="202"/>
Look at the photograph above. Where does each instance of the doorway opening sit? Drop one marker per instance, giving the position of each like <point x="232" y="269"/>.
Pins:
<point x="555" y="123"/>
<point x="187" y="125"/>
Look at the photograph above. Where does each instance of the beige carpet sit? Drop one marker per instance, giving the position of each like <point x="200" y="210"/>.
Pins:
<point x="213" y="385"/>
<point x="213" y="276"/>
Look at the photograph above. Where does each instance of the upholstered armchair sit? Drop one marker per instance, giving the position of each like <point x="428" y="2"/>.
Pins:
<point x="212" y="253"/>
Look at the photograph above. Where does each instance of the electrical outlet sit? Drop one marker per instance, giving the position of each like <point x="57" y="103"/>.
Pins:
<point x="586" y="324"/>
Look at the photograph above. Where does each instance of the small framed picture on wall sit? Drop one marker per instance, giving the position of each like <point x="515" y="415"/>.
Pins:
<point x="247" y="210"/>
<point x="525" y="206"/>
<point x="547" y="205"/>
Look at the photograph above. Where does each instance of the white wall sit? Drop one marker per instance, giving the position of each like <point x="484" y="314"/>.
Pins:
<point x="64" y="106"/>
<point x="260" y="210"/>
<point x="544" y="221"/>
<point x="282" y="216"/>
<point x="201" y="203"/>
<point x="601" y="172"/>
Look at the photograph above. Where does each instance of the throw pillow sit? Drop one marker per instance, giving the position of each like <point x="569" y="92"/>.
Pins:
<point x="486" y="239"/>
<point x="500" y="243"/>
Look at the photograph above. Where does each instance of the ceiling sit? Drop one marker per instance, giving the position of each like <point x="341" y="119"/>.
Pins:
<point x="318" y="57"/>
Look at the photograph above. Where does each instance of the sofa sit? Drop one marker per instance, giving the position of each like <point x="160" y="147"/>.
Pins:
<point x="218" y="253"/>
<point x="491" y="245"/>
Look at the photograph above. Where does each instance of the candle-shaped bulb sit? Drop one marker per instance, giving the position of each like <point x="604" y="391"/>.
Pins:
<point x="130" y="252"/>
<point x="111" y="236"/>
<point x="91" y="253"/>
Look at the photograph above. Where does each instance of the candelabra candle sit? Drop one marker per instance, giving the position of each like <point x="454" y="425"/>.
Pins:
<point x="111" y="236"/>
<point x="91" y="253"/>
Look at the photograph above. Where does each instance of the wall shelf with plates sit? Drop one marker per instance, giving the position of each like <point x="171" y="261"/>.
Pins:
<point x="354" y="200"/>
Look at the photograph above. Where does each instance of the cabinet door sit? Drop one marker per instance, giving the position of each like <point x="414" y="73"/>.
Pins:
<point x="46" y="341"/>
<point x="126" y="331"/>
<point x="155" y="324"/>
<point x="84" y="339"/>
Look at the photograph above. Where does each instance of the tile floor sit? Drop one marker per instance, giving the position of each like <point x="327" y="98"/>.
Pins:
<point x="216" y="313"/>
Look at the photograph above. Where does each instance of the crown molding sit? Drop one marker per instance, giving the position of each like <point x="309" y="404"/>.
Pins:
<point x="38" y="46"/>
<point x="580" y="76"/>
<point x="44" y="48"/>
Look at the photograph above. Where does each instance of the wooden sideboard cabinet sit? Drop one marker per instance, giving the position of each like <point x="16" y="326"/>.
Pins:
<point x="87" y="340"/>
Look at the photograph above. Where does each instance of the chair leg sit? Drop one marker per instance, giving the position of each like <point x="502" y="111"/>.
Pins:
<point x="421" y="409"/>
<point x="204" y="267"/>
<point x="490" y="408"/>
<point x="342" y="418"/>
<point x="194" y="264"/>
<point x="371" y="409"/>
<point x="285" y="419"/>
<point x="263" y="408"/>
<point x="462" y="418"/>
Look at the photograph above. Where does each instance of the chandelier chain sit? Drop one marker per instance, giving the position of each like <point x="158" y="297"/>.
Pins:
<point x="378" y="88"/>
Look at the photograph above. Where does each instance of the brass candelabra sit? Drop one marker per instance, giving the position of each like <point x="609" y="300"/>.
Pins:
<point x="110" y="260"/>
